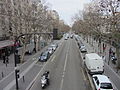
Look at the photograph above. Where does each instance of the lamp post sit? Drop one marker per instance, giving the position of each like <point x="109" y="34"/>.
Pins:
<point x="15" y="58"/>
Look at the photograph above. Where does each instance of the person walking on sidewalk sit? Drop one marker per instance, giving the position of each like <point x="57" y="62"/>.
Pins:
<point x="3" y="56"/>
<point x="110" y="54"/>
<point x="104" y="48"/>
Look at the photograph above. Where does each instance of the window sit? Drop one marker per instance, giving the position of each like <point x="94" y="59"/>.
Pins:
<point x="97" y="82"/>
<point x="95" y="78"/>
<point x="106" y="86"/>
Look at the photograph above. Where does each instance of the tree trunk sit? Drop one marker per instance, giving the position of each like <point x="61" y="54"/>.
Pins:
<point x="35" y="44"/>
<point x="118" y="57"/>
<point x="23" y="53"/>
<point x="39" y="43"/>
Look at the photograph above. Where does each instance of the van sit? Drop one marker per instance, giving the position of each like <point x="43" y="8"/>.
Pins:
<point x="94" y="63"/>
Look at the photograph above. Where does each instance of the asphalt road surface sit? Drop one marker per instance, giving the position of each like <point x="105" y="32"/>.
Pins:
<point x="65" y="67"/>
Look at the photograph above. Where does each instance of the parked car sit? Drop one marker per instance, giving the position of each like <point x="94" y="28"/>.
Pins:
<point x="71" y="36"/>
<point x="66" y="38"/>
<point x="54" y="46"/>
<point x="44" y="56"/>
<point x="50" y="50"/>
<point x="82" y="48"/>
<point x="102" y="82"/>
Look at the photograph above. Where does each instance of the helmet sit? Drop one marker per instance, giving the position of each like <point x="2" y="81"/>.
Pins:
<point x="47" y="72"/>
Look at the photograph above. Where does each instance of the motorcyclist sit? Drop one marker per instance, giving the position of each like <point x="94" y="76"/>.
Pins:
<point x="46" y="74"/>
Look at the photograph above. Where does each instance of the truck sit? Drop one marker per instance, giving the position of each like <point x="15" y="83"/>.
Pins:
<point x="94" y="63"/>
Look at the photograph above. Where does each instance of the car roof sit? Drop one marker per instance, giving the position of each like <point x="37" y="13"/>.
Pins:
<point x="49" y="47"/>
<point x="103" y="78"/>
<point x="93" y="56"/>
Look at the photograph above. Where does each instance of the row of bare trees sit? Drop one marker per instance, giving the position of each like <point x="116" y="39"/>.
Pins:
<point x="101" y="19"/>
<point x="26" y="16"/>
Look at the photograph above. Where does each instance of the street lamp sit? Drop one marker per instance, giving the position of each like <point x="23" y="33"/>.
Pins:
<point x="16" y="59"/>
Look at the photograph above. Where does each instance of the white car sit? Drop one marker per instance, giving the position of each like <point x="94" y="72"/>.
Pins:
<point x="102" y="82"/>
<point x="50" y="50"/>
<point x="83" y="48"/>
<point x="66" y="38"/>
<point x="54" y="46"/>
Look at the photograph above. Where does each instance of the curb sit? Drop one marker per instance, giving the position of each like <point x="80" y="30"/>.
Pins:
<point x="89" y="77"/>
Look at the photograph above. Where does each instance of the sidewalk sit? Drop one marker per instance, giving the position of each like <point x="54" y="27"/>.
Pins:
<point x="96" y="49"/>
<point x="9" y="68"/>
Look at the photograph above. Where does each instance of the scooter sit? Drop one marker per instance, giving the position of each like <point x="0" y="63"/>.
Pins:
<point x="44" y="80"/>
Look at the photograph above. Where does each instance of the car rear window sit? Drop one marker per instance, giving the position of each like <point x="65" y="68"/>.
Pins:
<point x="106" y="86"/>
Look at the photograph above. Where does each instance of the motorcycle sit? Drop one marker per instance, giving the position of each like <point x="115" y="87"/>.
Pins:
<point x="45" y="80"/>
<point x="113" y="59"/>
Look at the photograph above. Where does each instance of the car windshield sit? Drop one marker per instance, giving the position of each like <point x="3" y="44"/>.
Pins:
<point x="82" y="46"/>
<point x="106" y="86"/>
<point x="44" y="54"/>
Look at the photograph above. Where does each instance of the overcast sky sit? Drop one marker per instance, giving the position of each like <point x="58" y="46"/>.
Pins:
<point x="67" y="8"/>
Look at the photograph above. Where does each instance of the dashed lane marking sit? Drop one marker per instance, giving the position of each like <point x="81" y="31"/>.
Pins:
<point x="83" y="74"/>
<point x="53" y="58"/>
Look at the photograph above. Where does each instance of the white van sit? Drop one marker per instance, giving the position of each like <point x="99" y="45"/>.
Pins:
<point x="94" y="63"/>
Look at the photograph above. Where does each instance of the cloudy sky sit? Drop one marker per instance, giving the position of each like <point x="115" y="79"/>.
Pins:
<point x="67" y="8"/>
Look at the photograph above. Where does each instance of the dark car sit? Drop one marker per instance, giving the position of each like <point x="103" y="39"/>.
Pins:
<point x="44" y="57"/>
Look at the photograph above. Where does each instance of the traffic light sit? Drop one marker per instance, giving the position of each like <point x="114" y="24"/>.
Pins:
<point x="17" y="58"/>
<point x="17" y="73"/>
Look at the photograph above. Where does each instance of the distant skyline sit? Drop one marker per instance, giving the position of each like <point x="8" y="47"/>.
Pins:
<point x="67" y="8"/>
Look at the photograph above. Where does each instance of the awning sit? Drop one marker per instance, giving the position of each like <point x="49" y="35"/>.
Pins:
<point x="6" y="43"/>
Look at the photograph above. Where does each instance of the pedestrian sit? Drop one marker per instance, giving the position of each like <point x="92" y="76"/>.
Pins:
<point x="34" y="50"/>
<point x="7" y="59"/>
<point x="110" y="52"/>
<point x="103" y="47"/>
<point x="3" y="58"/>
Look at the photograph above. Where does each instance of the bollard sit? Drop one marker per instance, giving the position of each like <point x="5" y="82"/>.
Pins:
<point x="6" y="64"/>
<point x="2" y="74"/>
<point x="23" y="79"/>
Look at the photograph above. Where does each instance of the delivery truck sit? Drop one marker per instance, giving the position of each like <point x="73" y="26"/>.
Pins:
<point x="94" y="63"/>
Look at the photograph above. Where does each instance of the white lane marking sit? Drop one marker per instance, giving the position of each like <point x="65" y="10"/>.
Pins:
<point x="12" y="83"/>
<point x="112" y="70"/>
<point x="83" y="74"/>
<point x="89" y="77"/>
<point x="53" y="58"/>
<point x="65" y="63"/>
<point x="63" y="74"/>
<point x="61" y="85"/>
<point x="14" y="71"/>
<point x="38" y="65"/>
<point x="115" y="88"/>
<point x="33" y="82"/>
